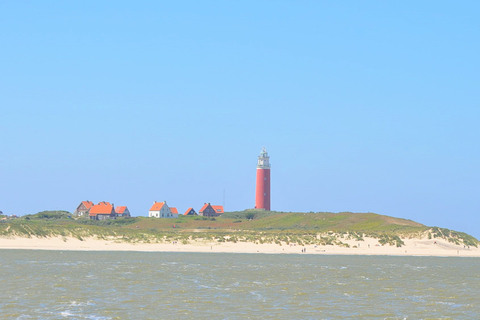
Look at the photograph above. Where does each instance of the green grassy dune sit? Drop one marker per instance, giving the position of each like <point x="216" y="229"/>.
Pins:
<point x="322" y="228"/>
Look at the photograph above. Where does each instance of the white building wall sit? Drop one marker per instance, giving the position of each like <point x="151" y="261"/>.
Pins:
<point x="154" y="214"/>
<point x="164" y="212"/>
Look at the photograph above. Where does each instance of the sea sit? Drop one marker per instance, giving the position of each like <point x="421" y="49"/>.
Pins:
<point x="41" y="284"/>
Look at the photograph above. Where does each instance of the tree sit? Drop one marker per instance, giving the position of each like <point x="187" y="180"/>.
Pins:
<point x="250" y="215"/>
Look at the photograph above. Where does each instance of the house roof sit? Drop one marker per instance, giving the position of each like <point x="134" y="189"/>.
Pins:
<point x="188" y="211"/>
<point x="87" y="204"/>
<point x="101" y="208"/>
<point x="218" y="209"/>
<point x="204" y="207"/>
<point x="120" y="209"/>
<point x="157" y="206"/>
<point x="174" y="210"/>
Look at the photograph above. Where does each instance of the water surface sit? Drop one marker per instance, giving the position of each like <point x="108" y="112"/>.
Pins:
<point x="37" y="284"/>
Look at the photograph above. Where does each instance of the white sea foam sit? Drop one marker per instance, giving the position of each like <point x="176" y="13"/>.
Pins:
<point x="66" y="314"/>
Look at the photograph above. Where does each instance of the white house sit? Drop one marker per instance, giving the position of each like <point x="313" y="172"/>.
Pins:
<point x="160" y="210"/>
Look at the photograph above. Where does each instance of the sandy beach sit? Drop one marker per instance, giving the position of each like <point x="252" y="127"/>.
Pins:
<point x="370" y="246"/>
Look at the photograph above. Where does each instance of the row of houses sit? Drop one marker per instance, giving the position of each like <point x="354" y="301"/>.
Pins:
<point x="162" y="210"/>
<point x="101" y="211"/>
<point x="106" y="210"/>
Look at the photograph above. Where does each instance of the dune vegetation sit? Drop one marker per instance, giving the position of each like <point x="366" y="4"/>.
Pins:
<point x="283" y="228"/>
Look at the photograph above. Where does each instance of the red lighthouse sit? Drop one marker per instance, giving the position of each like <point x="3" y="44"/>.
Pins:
<point x="262" y="192"/>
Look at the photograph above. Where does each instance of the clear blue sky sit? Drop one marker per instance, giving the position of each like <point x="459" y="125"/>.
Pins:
<point x="363" y="106"/>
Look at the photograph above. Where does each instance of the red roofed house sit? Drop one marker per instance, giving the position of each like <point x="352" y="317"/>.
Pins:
<point x="174" y="212"/>
<point x="160" y="210"/>
<point x="122" y="211"/>
<point x="210" y="211"/>
<point x="83" y="209"/>
<point x="218" y="209"/>
<point x="190" y="212"/>
<point x="102" y="211"/>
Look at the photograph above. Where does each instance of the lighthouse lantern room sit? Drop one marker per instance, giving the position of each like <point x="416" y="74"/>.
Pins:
<point x="262" y="192"/>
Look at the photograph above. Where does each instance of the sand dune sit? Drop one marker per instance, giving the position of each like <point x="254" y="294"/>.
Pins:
<point x="370" y="246"/>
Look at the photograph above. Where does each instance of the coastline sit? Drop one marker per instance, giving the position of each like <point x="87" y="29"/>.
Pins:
<point x="370" y="246"/>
